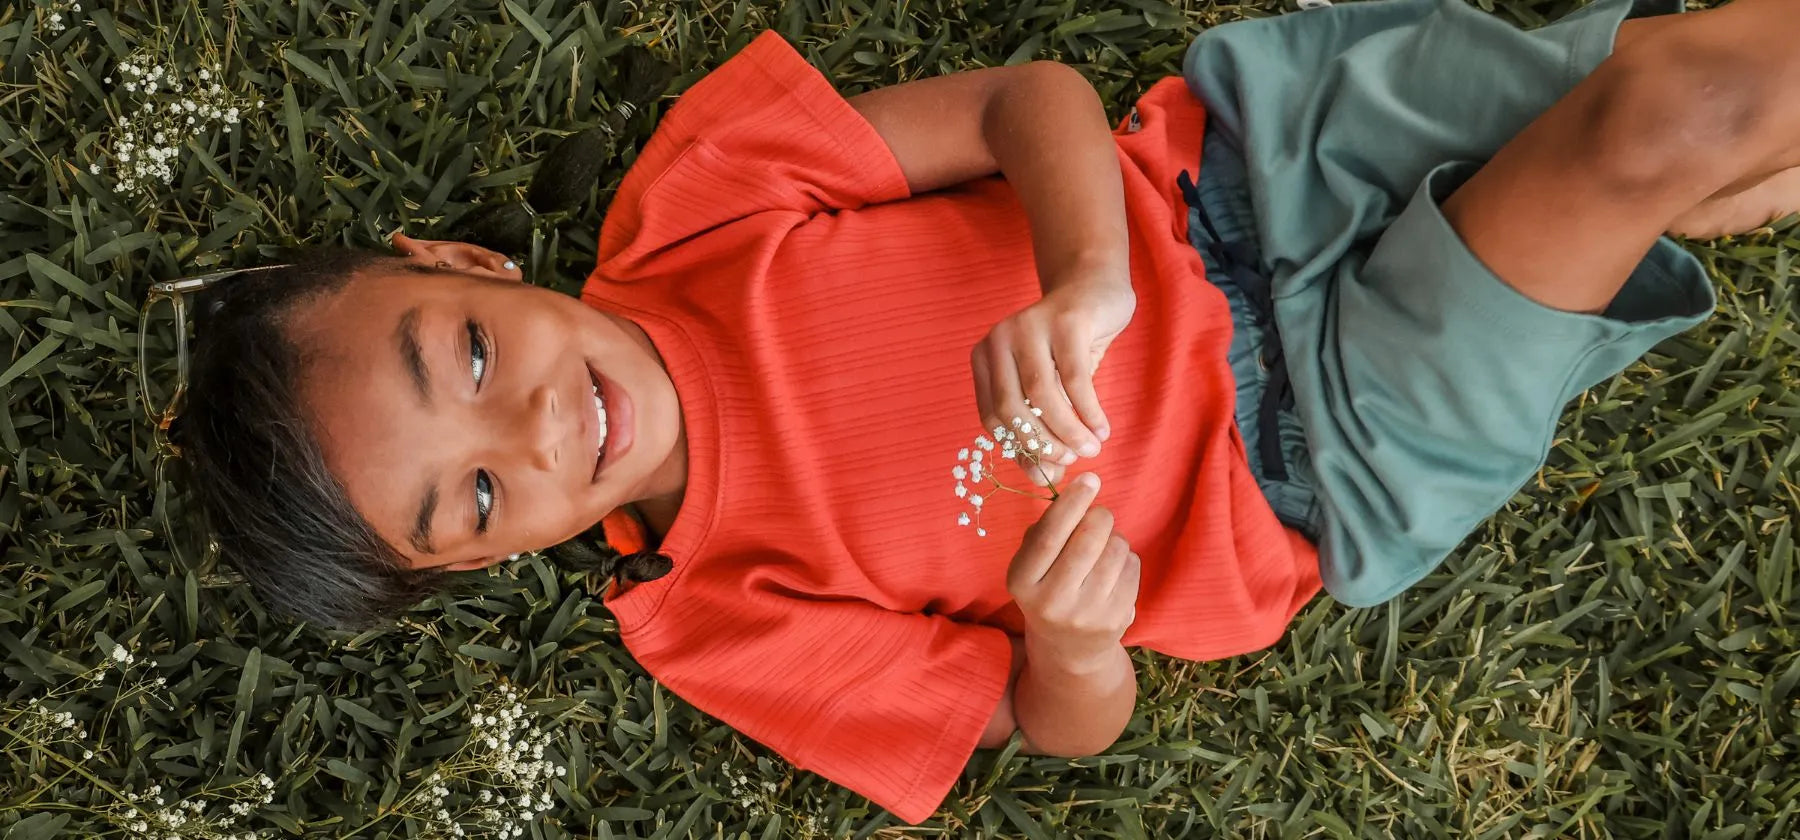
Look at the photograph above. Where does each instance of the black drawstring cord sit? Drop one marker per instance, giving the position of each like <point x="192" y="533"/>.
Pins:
<point x="1238" y="261"/>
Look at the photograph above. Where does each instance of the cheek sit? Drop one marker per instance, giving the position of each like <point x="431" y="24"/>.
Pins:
<point x="552" y="517"/>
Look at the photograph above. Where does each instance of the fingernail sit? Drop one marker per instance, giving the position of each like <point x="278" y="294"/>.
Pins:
<point x="1088" y="480"/>
<point x="509" y="265"/>
<point x="1090" y="449"/>
<point x="1066" y="458"/>
<point x="1104" y="432"/>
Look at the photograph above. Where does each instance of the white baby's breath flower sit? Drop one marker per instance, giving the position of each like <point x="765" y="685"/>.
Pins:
<point x="962" y="519"/>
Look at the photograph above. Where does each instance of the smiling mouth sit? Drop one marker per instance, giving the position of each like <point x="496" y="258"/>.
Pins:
<point x="600" y="428"/>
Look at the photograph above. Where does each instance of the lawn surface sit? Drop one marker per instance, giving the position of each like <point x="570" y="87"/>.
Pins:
<point x="1611" y="656"/>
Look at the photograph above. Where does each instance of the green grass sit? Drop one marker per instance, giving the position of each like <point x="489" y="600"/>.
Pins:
<point x="1614" y="655"/>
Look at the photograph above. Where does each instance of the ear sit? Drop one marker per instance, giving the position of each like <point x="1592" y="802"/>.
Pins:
<point x="456" y="256"/>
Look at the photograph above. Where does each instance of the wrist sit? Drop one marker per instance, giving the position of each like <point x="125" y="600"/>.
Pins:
<point x="1092" y="266"/>
<point x="1072" y="658"/>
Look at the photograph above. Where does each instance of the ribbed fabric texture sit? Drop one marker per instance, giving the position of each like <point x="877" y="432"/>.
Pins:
<point x="817" y="320"/>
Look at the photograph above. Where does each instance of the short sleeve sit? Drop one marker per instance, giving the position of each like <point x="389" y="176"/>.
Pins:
<point x="763" y="133"/>
<point x="888" y="704"/>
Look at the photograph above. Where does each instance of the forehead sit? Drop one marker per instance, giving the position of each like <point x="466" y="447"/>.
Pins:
<point x="372" y="426"/>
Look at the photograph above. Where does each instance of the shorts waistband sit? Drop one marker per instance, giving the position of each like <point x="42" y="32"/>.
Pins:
<point x="1222" y="228"/>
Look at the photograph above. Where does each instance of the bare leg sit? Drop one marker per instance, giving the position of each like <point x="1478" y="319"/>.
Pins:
<point x="1743" y="210"/>
<point x="1686" y="109"/>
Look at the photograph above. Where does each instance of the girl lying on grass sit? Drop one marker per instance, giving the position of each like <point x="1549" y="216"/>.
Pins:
<point x="1320" y="351"/>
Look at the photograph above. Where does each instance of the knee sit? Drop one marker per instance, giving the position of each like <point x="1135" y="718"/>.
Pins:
<point x="1669" y="109"/>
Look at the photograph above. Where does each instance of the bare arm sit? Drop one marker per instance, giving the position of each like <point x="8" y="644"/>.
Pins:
<point x="1042" y="126"/>
<point x="1076" y="582"/>
<point x="1039" y="124"/>
<point x="1062" y="713"/>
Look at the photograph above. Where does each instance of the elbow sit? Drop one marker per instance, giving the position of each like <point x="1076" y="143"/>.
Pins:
<point x="1070" y="749"/>
<point x="1089" y="741"/>
<point x="1056" y="74"/>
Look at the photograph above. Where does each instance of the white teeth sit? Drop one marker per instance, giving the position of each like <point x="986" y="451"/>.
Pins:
<point x="600" y="412"/>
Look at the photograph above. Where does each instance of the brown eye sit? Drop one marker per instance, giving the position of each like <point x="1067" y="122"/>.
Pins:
<point x="484" y="500"/>
<point x="478" y="353"/>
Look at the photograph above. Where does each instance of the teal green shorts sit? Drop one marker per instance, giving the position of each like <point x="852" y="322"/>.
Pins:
<point x="1425" y="390"/>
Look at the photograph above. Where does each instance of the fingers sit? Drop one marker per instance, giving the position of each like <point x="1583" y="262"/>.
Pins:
<point x="1125" y="587"/>
<point x="1081" y="553"/>
<point x="1124" y="596"/>
<point x="1077" y="366"/>
<point x="1108" y="567"/>
<point x="1045" y="473"/>
<point x="984" y="378"/>
<point x="1044" y="385"/>
<point x="1045" y="540"/>
<point x="1001" y="400"/>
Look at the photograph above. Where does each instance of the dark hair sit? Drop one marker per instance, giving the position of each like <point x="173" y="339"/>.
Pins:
<point x="254" y="466"/>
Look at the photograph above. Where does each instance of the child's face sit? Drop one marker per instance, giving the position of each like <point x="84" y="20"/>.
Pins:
<point x="458" y="411"/>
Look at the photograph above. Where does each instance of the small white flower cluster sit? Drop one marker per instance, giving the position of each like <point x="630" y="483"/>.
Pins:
<point x="508" y="742"/>
<point x="505" y="756"/>
<point x="146" y="137"/>
<point x="149" y="817"/>
<point x="745" y="793"/>
<point x="759" y="798"/>
<point x="53" y="21"/>
<point x="40" y="725"/>
<point x="1020" y="439"/>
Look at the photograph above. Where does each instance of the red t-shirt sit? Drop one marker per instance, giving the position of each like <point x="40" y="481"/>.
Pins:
<point x="816" y="319"/>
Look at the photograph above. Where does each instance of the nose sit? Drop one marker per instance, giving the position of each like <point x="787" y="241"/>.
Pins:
<point x="543" y="437"/>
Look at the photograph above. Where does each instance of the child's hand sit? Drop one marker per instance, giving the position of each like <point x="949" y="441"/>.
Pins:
<point x="1075" y="580"/>
<point x="1048" y="352"/>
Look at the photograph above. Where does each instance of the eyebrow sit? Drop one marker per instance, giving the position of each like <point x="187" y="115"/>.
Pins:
<point x="407" y="336"/>
<point x="421" y="533"/>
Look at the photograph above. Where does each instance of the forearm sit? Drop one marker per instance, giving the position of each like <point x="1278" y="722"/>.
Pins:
<point x="1073" y="709"/>
<point x="1049" y="136"/>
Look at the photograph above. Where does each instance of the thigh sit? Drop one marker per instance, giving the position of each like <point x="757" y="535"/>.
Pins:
<point x="1685" y="107"/>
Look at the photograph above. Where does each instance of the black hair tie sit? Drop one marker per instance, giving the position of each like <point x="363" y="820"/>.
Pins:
<point x="642" y="566"/>
<point x="637" y="567"/>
